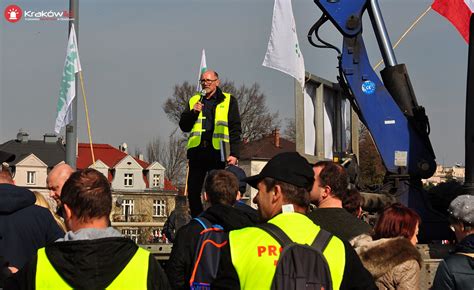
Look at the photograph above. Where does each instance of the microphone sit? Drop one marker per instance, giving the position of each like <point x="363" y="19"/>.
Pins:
<point x="203" y="94"/>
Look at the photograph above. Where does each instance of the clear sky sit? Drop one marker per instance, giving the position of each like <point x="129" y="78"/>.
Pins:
<point x="134" y="52"/>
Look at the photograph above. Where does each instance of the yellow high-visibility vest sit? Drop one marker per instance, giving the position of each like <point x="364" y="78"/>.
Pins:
<point x="255" y="253"/>
<point x="133" y="276"/>
<point x="221" y="126"/>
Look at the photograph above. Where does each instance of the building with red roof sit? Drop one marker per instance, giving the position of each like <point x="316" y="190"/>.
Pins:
<point x="142" y="196"/>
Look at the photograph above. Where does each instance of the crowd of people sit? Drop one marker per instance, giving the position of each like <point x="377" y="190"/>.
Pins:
<point x="228" y="244"/>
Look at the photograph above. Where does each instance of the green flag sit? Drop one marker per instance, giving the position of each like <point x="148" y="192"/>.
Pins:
<point x="67" y="92"/>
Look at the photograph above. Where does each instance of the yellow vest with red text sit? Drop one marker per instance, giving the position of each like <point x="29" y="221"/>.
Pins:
<point x="133" y="276"/>
<point x="221" y="127"/>
<point x="255" y="253"/>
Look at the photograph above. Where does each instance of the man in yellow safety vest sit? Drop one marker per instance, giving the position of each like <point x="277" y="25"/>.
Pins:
<point x="213" y="121"/>
<point x="250" y="258"/>
<point x="92" y="255"/>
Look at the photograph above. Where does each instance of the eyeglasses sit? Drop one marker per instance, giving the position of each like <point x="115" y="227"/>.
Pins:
<point x="207" y="81"/>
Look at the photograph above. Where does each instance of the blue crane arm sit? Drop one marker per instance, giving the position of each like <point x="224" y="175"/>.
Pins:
<point x="388" y="108"/>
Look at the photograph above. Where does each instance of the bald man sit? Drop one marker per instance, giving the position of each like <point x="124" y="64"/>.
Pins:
<point x="56" y="179"/>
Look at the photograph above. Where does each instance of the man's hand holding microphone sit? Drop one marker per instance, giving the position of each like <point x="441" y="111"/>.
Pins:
<point x="198" y="106"/>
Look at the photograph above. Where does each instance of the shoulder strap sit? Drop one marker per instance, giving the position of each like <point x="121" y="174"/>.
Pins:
<point x="321" y="240"/>
<point x="277" y="233"/>
<point x="205" y="223"/>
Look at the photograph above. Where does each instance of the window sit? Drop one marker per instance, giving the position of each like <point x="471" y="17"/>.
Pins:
<point x="156" y="180"/>
<point x="128" y="207"/>
<point x="128" y="179"/>
<point x="159" y="207"/>
<point x="30" y="177"/>
<point x="131" y="234"/>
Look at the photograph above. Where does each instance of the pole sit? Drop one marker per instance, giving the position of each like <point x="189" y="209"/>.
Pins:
<point x="469" y="129"/>
<point x="381" y="33"/>
<point x="71" y="128"/>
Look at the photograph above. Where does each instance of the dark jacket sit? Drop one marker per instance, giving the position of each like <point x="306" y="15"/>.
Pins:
<point x="24" y="226"/>
<point x="181" y="261"/>
<point x="177" y="219"/>
<point x="457" y="270"/>
<point x="189" y="117"/>
<point x="339" y="222"/>
<point x="394" y="263"/>
<point x="246" y="209"/>
<point x="89" y="264"/>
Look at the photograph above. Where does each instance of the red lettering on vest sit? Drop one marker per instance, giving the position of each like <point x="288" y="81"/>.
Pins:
<point x="272" y="250"/>
<point x="261" y="250"/>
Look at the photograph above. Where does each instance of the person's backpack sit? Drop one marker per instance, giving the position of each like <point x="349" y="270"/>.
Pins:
<point x="300" y="266"/>
<point x="206" y="260"/>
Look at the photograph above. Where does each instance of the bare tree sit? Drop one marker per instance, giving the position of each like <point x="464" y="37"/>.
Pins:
<point x="255" y="116"/>
<point x="290" y="129"/>
<point x="372" y="170"/>
<point x="171" y="154"/>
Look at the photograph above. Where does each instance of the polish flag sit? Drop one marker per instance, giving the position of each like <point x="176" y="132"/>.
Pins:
<point x="458" y="12"/>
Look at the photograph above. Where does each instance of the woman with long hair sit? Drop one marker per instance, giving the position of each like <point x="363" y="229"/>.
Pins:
<point x="41" y="201"/>
<point x="390" y="254"/>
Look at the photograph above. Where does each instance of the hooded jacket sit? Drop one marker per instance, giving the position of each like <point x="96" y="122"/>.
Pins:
<point x="181" y="261"/>
<point x="457" y="270"/>
<point x="24" y="226"/>
<point x="394" y="263"/>
<point x="89" y="264"/>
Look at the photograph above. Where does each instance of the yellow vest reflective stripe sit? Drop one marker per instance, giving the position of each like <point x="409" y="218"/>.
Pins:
<point x="133" y="276"/>
<point x="255" y="253"/>
<point x="221" y="126"/>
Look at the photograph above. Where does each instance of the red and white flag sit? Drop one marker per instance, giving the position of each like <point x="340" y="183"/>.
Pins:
<point x="458" y="12"/>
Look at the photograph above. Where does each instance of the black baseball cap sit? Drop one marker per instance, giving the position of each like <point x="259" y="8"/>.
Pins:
<point x="289" y="167"/>
<point x="6" y="156"/>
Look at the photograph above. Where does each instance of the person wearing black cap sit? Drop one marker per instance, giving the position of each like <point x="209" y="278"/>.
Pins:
<point x="248" y="260"/>
<point x="457" y="270"/>
<point x="221" y="189"/>
<point x="24" y="226"/>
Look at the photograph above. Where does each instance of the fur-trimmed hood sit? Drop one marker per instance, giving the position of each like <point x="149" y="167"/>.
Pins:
<point x="380" y="256"/>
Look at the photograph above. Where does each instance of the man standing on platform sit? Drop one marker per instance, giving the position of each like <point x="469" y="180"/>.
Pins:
<point x="213" y="120"/>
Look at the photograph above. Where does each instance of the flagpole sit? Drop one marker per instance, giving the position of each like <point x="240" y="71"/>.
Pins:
<point x="71" y="128"/>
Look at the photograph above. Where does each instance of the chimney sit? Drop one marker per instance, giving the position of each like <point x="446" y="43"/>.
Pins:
<point x="276" y="137"/>
<point x="123" y="147"/>
<point x="49" y="138"/>
<point x="140" y="157"/>
<point x="22" y="136"/>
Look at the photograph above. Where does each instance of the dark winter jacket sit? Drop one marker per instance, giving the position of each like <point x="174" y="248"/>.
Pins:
<point x="394" y="263"/>
<point x="189" y="117"/>
<point x="246" y="209"/>
<point x="180" y="264"/>
<point x="24" y="226"/>
<point x="339" y="222"/>
<point x="89" y="264"/>
<point x="178" y="218"/>
<point x="457" y="270"/>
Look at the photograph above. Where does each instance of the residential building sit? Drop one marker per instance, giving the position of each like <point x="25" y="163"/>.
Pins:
<point x="142" y="196"/>
<point x="255" y="154"/>
<point x="34" y="159"/>
<point x="446" y="173"/>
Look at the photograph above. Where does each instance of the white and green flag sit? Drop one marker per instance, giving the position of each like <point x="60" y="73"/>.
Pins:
<point x="283" y="51"/>
<point x="202" y="69"/>
<point x="67" y="92"/>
